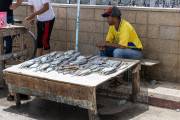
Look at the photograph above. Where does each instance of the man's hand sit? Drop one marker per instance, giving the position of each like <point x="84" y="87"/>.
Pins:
<point x="30" y="18"/>
<point x="101" y="46"/>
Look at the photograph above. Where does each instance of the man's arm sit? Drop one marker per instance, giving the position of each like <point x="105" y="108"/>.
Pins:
<point x="39" y="12"/>
<point x="16" y="4"/>
<point x="105" y="44"/>
<point x="114" y="45"/>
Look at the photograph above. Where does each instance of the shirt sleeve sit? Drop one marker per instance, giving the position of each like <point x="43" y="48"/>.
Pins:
<point x="30" y="2"/>
<point x="110" y="36"/>
<point x="45" y="1"/>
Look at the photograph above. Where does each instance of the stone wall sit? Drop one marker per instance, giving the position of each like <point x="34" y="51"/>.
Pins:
<point x="159" y="30"/>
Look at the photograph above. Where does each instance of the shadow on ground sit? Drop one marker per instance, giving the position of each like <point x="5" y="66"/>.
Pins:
<point x="46" y="110"/>
<point x="39" y="109"/>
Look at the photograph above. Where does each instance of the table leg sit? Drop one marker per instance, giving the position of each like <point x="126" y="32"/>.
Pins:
<point x="2" y="65"/>
<point x="136" y="82"/>
<point x="93" y="114"/>
<point x="17" y="99"/>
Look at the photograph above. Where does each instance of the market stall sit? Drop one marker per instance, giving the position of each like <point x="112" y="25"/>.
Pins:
<point x="23" y="45"/>
<point x="68" y="77"/>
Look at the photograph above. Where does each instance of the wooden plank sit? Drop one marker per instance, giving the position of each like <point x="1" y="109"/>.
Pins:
<point x="93" y="113"/>
<point x="136" y="82"/>
<point x="57" y="91"/>
<point x="148" y="62"/>
<point x="1" y="62"/>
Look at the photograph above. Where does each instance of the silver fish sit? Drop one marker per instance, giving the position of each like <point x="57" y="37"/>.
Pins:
<point x="70" y="52"/>
<point x="27" y="64"/>
<point x="34" y="65"/>
<point x="109" y="70"/>
<point x="44" y="59"/>
<point x="83" y="72"/>
<point x="43" y="67"/>
<point x="49" y="69"/>
<point x="58" y="55"/>
<point x="53" y="54"/>
<point x="113" y="63"/>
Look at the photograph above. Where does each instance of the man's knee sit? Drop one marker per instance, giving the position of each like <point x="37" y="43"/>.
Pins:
<point x="118" y="53"/>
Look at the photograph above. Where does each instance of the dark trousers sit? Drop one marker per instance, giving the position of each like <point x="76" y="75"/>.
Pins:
<point x="8" y="39"/>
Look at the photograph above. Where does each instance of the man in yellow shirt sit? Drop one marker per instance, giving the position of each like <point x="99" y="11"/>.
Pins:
<point x="122" y="40"/>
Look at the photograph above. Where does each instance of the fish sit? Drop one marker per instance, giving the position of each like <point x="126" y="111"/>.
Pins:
<point x="43" y="67"/>
<point x="53" y="54"/>
<point x="109" y="70"/>
<point x="34" y="65"/>
<point x="27" y="64"/>
<point x="49" y="69"/>
<point x="44" y="59"/>
<point x="113" y="63"/>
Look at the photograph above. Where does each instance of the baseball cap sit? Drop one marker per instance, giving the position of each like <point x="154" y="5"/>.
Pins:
<point x="112" y="11"/>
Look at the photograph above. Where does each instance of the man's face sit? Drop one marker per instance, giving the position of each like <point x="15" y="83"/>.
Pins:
<point x="110" y="20"/>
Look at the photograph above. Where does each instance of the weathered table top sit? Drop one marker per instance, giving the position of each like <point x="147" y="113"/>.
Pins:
<point x="11" y="30"/>
<point x="91" y="80"/>
<point x="11" y="26"/>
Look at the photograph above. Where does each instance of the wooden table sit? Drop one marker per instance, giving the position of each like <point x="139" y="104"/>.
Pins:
<point x="9" y="30"/>
<point x="68" y="89"/>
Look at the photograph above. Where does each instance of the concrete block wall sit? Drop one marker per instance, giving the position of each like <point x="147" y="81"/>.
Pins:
<point x="159" y="30"/>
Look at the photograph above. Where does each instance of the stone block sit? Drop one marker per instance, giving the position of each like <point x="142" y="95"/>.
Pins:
<point x="87" y="26"/>
<point x="98" y="15"/>
<point x="71" y="24"/>
<point x="169" y="32"/>
<point x="60" y="24"/>
<point x="164" y="18"/>
<point x="168" y="60"/>
<point x="62" y="13"/>
<point x="87" y="13"/>
<point x="141" y="30"/>
<point x="153" y="31"/>
<point x="21" y="11"/>
<point x="169" y="46"/>
<point x="129" y="16"/>
<point x="141" y="17"/>
<point x="71" y="13"/>
<point x="153" y="45"/>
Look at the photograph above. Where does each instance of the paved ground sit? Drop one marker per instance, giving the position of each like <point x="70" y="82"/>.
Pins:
<point x="38" y="109"/>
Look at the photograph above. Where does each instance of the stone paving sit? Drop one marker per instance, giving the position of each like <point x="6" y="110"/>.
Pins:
<point x="38" y="109"/>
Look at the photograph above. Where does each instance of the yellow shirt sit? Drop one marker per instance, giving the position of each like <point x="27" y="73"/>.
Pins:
<point x="126" y="36"/>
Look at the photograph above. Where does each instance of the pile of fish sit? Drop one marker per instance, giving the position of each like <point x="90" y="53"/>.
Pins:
<point x="72" y="62"/>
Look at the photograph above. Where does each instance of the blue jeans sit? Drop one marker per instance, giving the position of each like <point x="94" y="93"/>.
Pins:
<point x="122" y="53"/>
<point x="8" y="39"/>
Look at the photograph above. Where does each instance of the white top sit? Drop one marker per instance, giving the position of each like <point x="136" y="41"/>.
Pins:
<point x="91" y="80"/>
<point x="38" y="4"/>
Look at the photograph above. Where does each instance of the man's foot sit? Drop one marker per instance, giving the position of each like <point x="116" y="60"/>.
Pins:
<point x="10" y="98"/>
<point x="24" y="97"/>
<point x="2" y="85"/>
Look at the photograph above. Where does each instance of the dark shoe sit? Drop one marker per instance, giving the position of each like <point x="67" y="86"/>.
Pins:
<point x="10" y="98"/>
<point x="24" y="97"/>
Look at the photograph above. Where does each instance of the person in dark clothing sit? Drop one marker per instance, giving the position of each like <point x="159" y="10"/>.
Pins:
<point x="8" y="6"/>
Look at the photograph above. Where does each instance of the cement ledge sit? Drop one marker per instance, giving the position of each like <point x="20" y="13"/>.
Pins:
<point x="131" y="8"/>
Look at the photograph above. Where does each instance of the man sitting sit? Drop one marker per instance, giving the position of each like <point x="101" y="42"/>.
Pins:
<point x="122" y="40"/>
